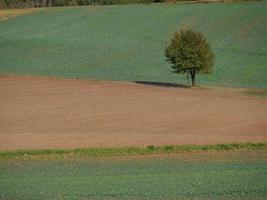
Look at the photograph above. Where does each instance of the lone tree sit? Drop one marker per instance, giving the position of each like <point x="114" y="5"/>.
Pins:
<point x="190" y="53"/>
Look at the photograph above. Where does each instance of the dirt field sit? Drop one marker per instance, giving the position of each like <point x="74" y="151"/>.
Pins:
<point x="10" y="13"/>
<point x="40" y="113"/>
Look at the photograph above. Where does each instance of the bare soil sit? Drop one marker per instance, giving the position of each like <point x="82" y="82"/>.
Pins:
<point x="11" y="13"/>
<point x="42" y="113"/>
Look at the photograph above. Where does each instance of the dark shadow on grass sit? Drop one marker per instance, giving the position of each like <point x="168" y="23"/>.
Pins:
<point x="162" y="84"/>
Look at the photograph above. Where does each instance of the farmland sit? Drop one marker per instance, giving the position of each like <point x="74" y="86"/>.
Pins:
<point x="126" y="43"/>
<point x="41" y="113"/>
<point x="214" y="175"/>
<point x="120" y="119"/>
<point x="90" y="109"/>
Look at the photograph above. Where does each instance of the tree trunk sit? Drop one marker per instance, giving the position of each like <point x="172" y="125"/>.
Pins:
<point x="193" y="76"/>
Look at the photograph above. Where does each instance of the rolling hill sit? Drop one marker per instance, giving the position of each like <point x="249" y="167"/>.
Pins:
<point x="126" y="42"/>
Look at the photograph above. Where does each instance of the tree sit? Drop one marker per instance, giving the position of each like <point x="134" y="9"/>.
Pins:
<point x="190" y="53"/>
<point x="7" y="2"/>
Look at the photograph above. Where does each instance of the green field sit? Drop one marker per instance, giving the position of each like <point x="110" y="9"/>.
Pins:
<point x="213" y="175"/>
<point x="126" y="42"/>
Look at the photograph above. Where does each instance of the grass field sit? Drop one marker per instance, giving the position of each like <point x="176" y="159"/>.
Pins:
<point x="213" y="175"/>
<point x="127" y="42"/>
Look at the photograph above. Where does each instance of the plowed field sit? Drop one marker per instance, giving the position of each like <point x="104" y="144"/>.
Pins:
<point x="40" y="113"/>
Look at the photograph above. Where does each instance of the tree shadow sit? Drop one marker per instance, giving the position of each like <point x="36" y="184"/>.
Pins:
<point x="162" y="84"/>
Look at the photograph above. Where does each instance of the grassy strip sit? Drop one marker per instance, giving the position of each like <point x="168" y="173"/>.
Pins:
<point x="127" y="151"/>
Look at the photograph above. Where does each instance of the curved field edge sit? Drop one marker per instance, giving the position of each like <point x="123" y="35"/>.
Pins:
<point x="6" y="14"/>
<point x="126" y="43"/>
<point x="130" y="151"/>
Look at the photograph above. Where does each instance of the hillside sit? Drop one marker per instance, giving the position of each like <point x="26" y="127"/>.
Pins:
<point x="127" y="42"/>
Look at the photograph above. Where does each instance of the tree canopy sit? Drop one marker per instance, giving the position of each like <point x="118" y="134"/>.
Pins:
<point x="190" y="53"/>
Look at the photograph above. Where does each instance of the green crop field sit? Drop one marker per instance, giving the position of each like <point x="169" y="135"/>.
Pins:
<point x="126" y="42"/>
<point x="206" y="175"/>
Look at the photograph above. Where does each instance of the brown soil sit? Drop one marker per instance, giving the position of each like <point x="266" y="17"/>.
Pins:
<point x="41" y="113"/>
